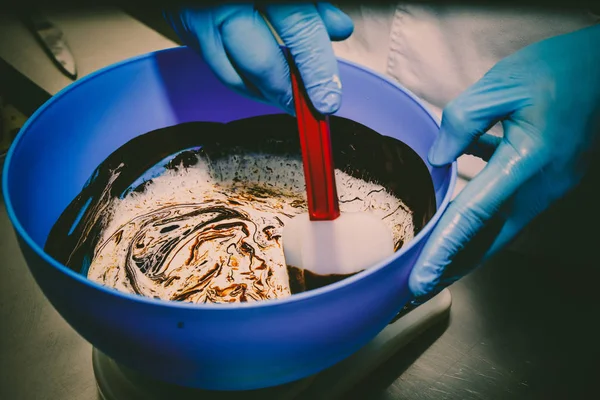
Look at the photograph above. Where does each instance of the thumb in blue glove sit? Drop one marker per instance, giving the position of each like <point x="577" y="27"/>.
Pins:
<point x="547" y="97"/>
<point x="240" y="49"/>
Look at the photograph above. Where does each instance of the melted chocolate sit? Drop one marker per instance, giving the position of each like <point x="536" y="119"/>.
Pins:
<point x="303" y="280"/>
<point x="221" y="246"/>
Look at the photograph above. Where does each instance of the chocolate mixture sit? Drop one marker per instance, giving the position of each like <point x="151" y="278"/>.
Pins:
<point x="198" y="218"/>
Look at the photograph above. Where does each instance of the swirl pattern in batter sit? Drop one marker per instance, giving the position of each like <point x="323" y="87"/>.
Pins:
<point x="194" y="211"/>
<point x="210" y="232"/>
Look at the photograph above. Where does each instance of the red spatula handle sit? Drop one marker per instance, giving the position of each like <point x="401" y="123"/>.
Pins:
<point x="317" y="156"/>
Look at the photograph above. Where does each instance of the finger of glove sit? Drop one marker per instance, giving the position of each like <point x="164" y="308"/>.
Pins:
<point x="339" y="25"/>
<point x="473" y="113"/>
<point x="255" y="54"/>
<point x="484" y="146"/>
<point x="303" y="32"/>
<point x="472" y="209"/>
<point x="529" y="201"/>
<point x="198" y="29"/>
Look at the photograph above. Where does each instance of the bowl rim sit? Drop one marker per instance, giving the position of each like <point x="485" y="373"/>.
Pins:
<point x="18" y="227"/>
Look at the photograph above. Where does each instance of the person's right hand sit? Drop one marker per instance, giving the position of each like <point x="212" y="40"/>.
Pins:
<point x="238" y="46"/>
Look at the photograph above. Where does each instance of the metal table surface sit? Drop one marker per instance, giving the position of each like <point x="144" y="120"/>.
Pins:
<point x="519" y="328"/>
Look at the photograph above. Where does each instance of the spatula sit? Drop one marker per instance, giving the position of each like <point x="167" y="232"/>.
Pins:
<point x="325" y="241"/>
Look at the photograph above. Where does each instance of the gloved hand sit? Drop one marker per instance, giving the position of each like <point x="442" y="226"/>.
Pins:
<point x="547" y="97"/>
<point x="240" y="49"/>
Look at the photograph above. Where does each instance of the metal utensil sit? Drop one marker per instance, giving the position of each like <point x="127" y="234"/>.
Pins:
<point x="52" y="40"/>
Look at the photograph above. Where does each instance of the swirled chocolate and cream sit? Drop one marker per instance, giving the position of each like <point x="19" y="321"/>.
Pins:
<point x="211" y="231"/>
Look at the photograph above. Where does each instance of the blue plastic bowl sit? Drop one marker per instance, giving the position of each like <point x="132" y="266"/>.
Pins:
<point x="213" y="346"/>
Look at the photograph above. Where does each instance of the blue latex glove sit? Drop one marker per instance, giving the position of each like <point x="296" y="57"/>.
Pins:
<point x="240" y="49"/>
<point x="547" y="97"/>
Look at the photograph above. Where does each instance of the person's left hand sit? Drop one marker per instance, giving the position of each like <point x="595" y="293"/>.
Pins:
<point x="547" y="97"/>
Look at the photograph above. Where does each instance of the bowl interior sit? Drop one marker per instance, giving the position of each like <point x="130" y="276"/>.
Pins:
<point x="238" y="147"/>
<point x="64" y="142"/>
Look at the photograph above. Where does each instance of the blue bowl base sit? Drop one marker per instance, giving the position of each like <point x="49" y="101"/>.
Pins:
<point x="116" y="382"/>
